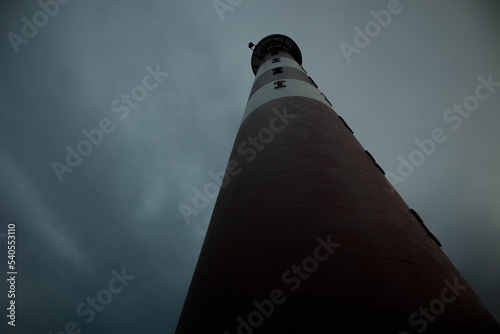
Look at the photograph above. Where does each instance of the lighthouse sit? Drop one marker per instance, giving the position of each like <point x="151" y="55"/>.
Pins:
<point x="307" y="234"/>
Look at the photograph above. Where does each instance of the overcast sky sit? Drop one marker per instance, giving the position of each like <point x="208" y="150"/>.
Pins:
<point x="185" y="70"/>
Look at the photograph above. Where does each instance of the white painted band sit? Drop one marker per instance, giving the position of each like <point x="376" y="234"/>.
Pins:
<point x="282" y="63"/>
<point x="293" y="88"/>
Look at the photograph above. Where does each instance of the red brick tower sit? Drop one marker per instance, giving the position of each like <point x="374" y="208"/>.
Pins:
<point x="307" y="234"/>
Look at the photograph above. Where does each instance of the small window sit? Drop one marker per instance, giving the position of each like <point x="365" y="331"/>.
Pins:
<point x="429" y="233"/>
<point x="277" y="70"/>
<point x="347" y="126"/>
<point x="275" y="53"/>
<point x="312" y="81"/>
<point x="275" y="60"/>
<point x="327" y="100"/>
<point x="279" y="84"/>
<point x="374" y="162"/>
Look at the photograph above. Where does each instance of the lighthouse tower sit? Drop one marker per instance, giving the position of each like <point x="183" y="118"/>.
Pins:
<point x="308" y="236"/>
